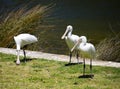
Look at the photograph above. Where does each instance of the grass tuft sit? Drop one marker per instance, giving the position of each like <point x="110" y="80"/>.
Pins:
<point x="109" y="49"/>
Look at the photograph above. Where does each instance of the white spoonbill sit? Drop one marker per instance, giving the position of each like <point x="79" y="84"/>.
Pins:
<point x="87" y="50"/>
<point x="21" y="40"/>
<point x="71" y="40"/>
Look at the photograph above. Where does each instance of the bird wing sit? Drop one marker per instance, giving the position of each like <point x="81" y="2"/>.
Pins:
<point x="25" y="39"/>
<point x="71" y="40"/>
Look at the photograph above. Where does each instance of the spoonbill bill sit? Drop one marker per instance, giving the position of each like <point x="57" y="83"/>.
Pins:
<point x="22" y="40"/>
<point x="71" y="40"/>
<point x="87" y="50"/>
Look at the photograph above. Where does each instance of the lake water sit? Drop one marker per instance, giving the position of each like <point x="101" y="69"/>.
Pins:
<point x="96" y="19"/>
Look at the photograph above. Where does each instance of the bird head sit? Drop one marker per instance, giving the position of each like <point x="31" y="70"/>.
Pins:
<point x="83" y="39"/>
<point x="68" y="29"/>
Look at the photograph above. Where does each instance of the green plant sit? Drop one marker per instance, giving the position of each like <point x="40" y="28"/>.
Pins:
<point x="109" y="49"/>
<point x="23" y="20"/>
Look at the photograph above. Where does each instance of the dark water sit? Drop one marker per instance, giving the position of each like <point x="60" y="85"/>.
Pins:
<point x="96" y="19"/>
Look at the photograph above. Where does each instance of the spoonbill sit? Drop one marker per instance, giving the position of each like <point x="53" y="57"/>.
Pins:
<point x="71" y="40"/>
<point x="87" y="50"/>
<point x="22" y="40"/>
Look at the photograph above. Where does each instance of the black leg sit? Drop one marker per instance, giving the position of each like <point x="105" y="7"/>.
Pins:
<point x="24" y="55"/>
<point x="84" y="67"/>
<point x="77" y="57"/>
<point x="91" y="66"/>
<point x="70" y="57"/>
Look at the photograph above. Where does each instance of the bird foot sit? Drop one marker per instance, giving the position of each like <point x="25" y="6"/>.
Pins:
<point x="17" y="62"/>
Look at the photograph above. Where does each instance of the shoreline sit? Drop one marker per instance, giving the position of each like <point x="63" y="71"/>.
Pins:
<point x="58" y="57"/>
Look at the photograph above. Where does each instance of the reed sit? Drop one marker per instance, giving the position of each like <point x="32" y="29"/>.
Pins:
<point x="22" y="20"/>
<point x="109" y="49"/>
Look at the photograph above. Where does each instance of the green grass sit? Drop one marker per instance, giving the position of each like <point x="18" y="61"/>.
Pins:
<point x="45" y="74"/>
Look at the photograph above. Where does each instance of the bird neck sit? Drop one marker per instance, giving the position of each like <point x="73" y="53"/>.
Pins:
<point x="69" y="33"/>
<point x="83" y="43"/>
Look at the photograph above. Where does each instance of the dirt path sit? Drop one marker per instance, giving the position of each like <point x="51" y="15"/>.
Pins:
<point x="57" y="57"/>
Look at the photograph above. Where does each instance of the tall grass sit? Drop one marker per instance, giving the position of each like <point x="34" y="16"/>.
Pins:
<point x="109" y="49"/>
<point x="22" y="20"/>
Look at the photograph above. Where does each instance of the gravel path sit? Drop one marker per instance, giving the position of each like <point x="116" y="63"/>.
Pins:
<point x="57" y="57"/>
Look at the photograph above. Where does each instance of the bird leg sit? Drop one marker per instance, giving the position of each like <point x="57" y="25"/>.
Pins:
<point x="24" y="55"/>
<point x="70" y="57"/>
<point x="18" y="60"/>
<point x="91" y="66"/>
<point x="84" y="67"/>
<point x="77" y="57"/>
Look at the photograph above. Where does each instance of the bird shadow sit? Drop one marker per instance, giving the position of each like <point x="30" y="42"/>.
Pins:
<point x="26" y="60"/>
<point x="86" y="76"/>
<point x="71" y="64"/>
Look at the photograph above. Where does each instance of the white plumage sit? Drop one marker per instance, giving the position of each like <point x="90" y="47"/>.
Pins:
<point x="70" y="39"/>
<point x="87" y="50"/>
<point x="21" y="40"/>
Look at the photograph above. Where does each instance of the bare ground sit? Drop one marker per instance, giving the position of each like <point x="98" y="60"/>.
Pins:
<point x="57" y="57"/>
